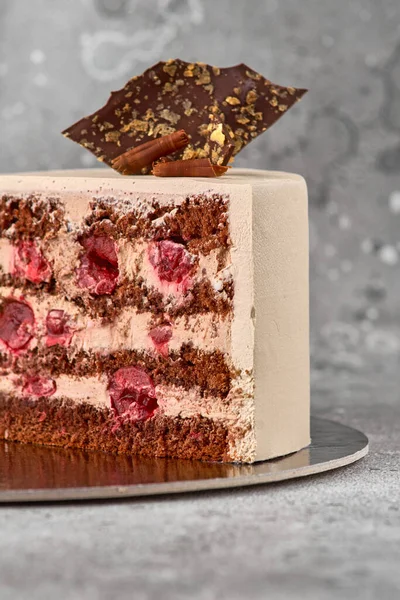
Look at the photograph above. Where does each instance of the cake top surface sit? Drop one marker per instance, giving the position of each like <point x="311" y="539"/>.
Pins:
<point x="110" y="178"/>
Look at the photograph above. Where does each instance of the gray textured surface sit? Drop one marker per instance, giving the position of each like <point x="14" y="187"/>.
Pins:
<point x="336" y="536"/>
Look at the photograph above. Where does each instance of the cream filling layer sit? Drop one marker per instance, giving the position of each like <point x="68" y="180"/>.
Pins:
<point x="6" y="256"/>
<point x="135" y="263"/>
<point x="173" y="401"/>
<point x="130" y="330"/>
<point x="64" y="251"/>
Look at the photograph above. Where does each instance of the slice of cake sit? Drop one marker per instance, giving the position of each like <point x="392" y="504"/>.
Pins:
<point x="159" y="317"/>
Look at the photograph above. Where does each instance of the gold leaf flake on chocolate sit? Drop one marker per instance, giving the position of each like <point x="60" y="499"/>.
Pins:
<point x="176" y="95"/>
<point x="218" y="136"/>
<point x="220" y="145"/>
<point x="204" y="78"/>
<point x="251" y="97"/>
<point x="232" y="100"/>
<point x="112" y="136"/>
<point x="170" y="68"/>
<point x="170" y="116"/>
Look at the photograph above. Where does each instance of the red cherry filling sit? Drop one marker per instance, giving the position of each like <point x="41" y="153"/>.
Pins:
<point x="56" y="323"/>
<point x="30" y="263"/>
<point x="160" y="337"/>
<point x="171" y="260"/>
<point x="16" y="324"/>
<point x="57" y="328"/>
<point x="39" y="386"/>
<point x="98" y="271"/>
<point x="132" y="394"/>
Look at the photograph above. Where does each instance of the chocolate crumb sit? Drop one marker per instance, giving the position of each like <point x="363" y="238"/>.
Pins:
<point x="30" y="218"/>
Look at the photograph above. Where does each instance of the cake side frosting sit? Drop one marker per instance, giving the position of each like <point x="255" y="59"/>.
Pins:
<point x="281" y="352"/>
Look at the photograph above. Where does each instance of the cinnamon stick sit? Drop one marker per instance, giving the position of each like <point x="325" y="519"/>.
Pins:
<point x="196" y="167"/>
<point x="133" y="161"/>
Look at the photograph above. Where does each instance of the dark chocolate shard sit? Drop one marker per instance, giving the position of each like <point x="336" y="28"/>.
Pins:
<point x="177" y="95"/>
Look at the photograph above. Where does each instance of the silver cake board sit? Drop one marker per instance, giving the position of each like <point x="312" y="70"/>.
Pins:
<point x="31" y="473"/>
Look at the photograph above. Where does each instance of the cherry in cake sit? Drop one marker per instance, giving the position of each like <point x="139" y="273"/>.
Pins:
<point x="132" y="394"/>
<point x="171" y="261"/>
<point x="98" y="269"/>
<point x="58" y="328"/>
<point x="16" y="324"/>
<point x="38" y="386"/>
<point x="30" y="264"/>
<point x="160" y="336"/>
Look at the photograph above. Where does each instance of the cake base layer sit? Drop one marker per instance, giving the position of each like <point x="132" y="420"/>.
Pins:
<point x="64" y="423"/>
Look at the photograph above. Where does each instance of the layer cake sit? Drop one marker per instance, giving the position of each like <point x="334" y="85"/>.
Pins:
<point x="158" y="317"/>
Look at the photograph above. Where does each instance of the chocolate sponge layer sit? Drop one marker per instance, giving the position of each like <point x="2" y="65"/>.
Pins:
<point x="64" y="423"/>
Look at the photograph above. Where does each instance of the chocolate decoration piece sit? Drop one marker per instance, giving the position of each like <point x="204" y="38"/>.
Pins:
<point x="177" y="95"/>
<point x="143" y="156"/>
<point x="192" y="167"/>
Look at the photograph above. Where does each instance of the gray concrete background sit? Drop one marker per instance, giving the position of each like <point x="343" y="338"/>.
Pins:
<point x="336" y="536"/>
